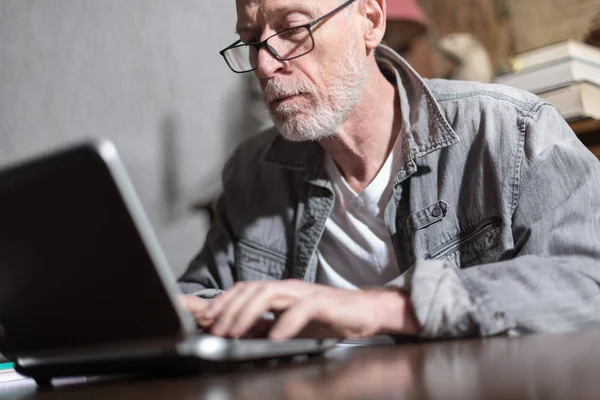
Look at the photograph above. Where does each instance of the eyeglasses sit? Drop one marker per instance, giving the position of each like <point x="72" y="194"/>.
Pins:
<point x="286" y="45"/>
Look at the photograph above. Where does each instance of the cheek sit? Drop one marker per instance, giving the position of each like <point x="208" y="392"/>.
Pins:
<point x="315" y="63"/>
<point x="309" y="75"/>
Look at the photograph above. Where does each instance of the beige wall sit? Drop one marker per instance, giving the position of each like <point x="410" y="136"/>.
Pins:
<point x="144" y="73"/>
<point x="536" y="23"/>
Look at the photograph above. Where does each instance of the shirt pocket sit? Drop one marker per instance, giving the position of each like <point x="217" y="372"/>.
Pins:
<point x="255" y="262"/>
<point x="471" y="245"/>
<point x="425" y="217"/>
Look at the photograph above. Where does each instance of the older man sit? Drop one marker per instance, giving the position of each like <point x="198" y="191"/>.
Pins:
<point x="456" y="208"/>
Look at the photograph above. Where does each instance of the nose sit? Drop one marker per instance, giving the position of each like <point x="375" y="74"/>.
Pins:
<point x="266" y="64"/>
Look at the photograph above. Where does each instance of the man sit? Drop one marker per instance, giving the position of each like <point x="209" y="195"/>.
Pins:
<point x="458" y="208"/>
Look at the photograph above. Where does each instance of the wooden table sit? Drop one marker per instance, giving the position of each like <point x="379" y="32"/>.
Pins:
<point x="543" y="367"/>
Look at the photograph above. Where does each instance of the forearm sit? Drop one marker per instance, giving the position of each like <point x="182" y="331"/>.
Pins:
<point x="535" y="294"/>
<point x="206" y="277"/>
<point x="210" y="272"/>
<point x="525" y="294"/>
<point x="393" y="313"/>
<point x="439" y="300"/>
<point x="551" y="283"/>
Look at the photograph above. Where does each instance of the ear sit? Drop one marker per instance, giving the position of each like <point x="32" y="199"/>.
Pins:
<point x="374" y="12"/>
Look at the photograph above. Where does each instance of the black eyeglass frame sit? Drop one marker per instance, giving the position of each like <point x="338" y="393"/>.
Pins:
<point x="271" y="50"/>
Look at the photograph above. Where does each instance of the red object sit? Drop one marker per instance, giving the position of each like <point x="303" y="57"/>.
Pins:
<point x="406" y="10"/>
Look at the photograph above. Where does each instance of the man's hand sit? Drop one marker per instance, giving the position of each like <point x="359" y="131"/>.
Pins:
<point x="195" y="306"/>
<point x="306" y="310"/>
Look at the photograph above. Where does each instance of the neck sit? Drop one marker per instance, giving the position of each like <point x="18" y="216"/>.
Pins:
<point x="365" y="140"/>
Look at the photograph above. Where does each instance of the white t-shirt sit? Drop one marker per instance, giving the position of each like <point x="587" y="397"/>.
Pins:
<point x="356" y="248"/>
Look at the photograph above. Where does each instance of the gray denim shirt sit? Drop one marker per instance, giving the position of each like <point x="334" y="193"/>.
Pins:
<point x="494" y="216"/>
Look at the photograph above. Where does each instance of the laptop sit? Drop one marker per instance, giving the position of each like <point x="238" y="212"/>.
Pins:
<point x="84" y="286"/>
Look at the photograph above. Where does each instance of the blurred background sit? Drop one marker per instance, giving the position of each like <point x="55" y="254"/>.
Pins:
<point x="480" y="38"/>
<point x="147" y="75"/>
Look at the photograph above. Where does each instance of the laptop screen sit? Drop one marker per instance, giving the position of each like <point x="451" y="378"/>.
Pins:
<point x="73" y="269"/>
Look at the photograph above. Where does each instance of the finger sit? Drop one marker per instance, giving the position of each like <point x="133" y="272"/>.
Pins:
<point x="220" y="302"/>
<point x="241" y="302"/>
<point x="271" y="298"/>
<point x="259" y="330"/>
<point x="276" y="297"/>
<point x="196" y="306"/>
<point x="291" y="322"/>
<point x="234" y="306"/>
<point x="193" y="304"/>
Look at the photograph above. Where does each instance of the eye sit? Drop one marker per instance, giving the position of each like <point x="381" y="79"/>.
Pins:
<point x="293" y="33"/>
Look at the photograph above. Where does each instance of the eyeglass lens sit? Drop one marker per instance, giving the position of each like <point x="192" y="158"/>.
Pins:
<point x="288" y="44"/>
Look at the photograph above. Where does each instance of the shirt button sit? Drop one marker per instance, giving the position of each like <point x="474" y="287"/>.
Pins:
<point x="499" y="315"/>
<point x="436" y="212"/>
<point x="310" y="221"/>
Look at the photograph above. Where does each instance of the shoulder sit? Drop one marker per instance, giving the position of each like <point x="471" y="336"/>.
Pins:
<point x="504" y="123"/>
<point x="487" y="97"/>
<point x="498" y="113"/>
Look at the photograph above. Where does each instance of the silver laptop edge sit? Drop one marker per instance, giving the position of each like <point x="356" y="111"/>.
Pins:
<point x="109" y="154"/>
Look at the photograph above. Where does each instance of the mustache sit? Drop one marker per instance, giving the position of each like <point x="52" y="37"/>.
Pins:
<point x="275" y="90"/>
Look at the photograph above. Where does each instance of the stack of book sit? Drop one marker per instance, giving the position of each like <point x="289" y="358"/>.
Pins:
<point x="8" y="374"/>
<point x="566" y="74"/>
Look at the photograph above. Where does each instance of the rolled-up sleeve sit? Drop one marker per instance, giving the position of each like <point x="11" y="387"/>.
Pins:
<point x="441" y="302"/>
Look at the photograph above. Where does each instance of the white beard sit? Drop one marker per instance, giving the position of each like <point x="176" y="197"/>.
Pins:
<point x="329" y="107"/>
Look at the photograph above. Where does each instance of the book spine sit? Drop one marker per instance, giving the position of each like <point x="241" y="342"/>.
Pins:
<point x="6" y="366"/>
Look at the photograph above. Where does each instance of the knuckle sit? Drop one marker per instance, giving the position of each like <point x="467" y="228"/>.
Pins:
<point x="240" y="285"/>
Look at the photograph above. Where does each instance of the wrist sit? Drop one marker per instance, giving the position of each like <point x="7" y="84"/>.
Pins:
<point x="394" y="313"/>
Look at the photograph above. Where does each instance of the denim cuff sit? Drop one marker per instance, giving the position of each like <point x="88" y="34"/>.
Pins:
<point x="207" y="293"/>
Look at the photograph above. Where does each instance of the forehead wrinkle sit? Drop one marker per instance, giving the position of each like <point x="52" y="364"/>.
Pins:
<point x="252" y="7"/>
<point x="262" y="10"/>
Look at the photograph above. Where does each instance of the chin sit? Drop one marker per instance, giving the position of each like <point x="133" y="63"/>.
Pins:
<point x="301" y="126"/>
<point x="288" y="129"/>
<point x="297" y="137"/>
<point x="298" y="132"/>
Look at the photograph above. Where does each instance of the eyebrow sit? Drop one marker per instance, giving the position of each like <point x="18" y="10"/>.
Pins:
<point x="244" y="29"/>
<point x="278" y="12"/>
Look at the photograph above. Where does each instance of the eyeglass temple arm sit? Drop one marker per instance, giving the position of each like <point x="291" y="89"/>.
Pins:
<point x="330" y="13"/>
